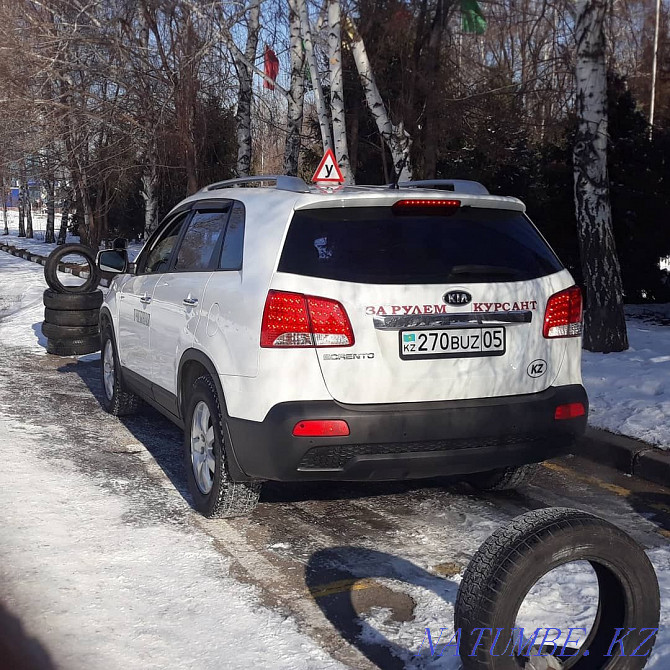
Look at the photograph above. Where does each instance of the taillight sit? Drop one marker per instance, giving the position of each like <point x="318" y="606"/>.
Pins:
<point x="297" y="320"/>
<point x="425" y="206"/>
<point x="321" y="428"/>
<point x="571" y="410"/>
<point x="563" y="316"/>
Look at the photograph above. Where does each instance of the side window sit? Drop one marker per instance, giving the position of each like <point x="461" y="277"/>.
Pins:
<point x="200" y="241"/>
<point x="233" y="243"/>
<point x="159" y="257"/>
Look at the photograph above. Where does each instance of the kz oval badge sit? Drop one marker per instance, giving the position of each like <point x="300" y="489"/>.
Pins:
<point x="537" y="368"/>
<point x="457" y="297"/>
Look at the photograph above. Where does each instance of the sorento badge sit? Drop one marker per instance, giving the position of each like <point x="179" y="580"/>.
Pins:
<point x="457" y="297"/>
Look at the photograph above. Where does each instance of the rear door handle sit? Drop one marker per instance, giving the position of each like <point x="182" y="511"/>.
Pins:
<point x="145" y="299"/>
<point x="190" y="301"/>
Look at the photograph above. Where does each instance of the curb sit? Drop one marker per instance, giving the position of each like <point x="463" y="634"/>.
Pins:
<point x="37" y="258"/>
<point x="625" y="454"/>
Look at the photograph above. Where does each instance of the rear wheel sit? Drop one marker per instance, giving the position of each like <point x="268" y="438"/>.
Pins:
<point x="214" y="493"/>
<point x="503" y="479"/>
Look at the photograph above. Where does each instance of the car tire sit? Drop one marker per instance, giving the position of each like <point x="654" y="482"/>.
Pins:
<point x="72" y="301"/>
<point x="75" y="347"/>
<point x="51" y="269"/>
<point x="503" y="479"/>
<point x="116" y="399"/>
<point x="214" y="494"/>
<point x="56" y="332"/>
<point x="84" y="317"/>
<point x="518" y="555"/>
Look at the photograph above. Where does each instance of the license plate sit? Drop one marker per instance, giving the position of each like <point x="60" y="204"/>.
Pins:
<point x="452" y="343"/>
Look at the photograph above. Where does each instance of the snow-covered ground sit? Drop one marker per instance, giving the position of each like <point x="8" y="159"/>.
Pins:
<point x="101" y="582"/>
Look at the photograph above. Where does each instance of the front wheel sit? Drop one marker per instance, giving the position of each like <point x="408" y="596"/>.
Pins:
<point x="214" y="493"/>
<point x="115" y="399"/>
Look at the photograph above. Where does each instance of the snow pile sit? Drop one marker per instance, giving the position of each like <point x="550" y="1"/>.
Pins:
<point x="629" y="391"/>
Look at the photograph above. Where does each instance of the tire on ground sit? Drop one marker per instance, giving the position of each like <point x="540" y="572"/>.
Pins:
<point x="519" y="554"/>
<point x="226" y="497"/>
<point x="76" y="347"/>
<point x="51" y="269"/>
<point x="56" y="332"/>
<point x="503" y="479"/>
<point x="116" y="399"/>
<point x="72" y="301"/>
<point x="82" y="317"/>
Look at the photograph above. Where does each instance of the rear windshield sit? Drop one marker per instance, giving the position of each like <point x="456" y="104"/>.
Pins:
<point x="374" y="245"/>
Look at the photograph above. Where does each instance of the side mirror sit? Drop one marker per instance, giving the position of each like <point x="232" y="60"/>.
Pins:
<point x="113" y="260"/>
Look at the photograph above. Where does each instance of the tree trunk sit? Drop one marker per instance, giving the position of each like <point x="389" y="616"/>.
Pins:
<point x="244" y="100"/>
<point x="65" y="211"/>
<point x="51" y="210"/>
<point x="149" y="193"/>
<point x="29" y="214"/>
<point x="296" y="93"/>
<point x="337" y="90"/>
<point x="397" y="138"/>
<point x="604" y="322"/>
<point x="4" y="206"/>
<point x="321" y="107"/>
<point x="22" y="219"/>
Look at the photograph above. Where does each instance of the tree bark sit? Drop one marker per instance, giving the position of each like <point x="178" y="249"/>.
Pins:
<point x="49" y="235"/>
<point x="149" y="192"/>
<point x="245" y="75"/>
<point x="604" y="321"/>
<point x="397" y="138"/>
<point x="337" y="90"/>
<point x="65" y="211"/>
<point x="321" y="108"/>
<point x="4" y="206"/>
<point x="296" y="93"/>
<point x="22" y="219"/>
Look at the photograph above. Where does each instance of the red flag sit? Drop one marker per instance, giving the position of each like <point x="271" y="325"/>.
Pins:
<point x="271" y="67"/>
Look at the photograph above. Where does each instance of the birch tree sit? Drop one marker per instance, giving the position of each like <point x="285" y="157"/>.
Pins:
<point x="321" y="107"/>
<point x="337" y="90"/>
<point x="395" y="135"/>
<point x="245" y="76"/>
<point x="296" y="92"/>
<point x="604" y="322"/>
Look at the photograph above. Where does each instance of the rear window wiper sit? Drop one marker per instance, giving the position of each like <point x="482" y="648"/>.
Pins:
<point x="489" y="270"/>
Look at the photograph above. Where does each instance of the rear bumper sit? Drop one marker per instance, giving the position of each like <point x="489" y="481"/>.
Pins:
<point x="407" y="441"/>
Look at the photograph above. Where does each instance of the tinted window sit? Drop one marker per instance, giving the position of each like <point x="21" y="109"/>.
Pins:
<point x="372" y="245"/>
<point x="159" y="257"/>
<point x="233" y="243"/>
<point x="200" y="241"/>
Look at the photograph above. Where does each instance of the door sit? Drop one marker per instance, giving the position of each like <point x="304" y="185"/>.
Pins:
<point x="443" y="306"/>
<point x="136" y="295"/>
<point x="178" y="296"/>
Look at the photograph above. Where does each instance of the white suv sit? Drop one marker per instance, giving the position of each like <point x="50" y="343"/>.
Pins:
<point x="362" y="333"/>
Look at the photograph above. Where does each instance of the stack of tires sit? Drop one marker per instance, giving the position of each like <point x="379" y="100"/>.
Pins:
<point x="71" y="313"/>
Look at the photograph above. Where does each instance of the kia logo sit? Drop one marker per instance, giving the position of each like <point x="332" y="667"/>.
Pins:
<point x="457" y="297"/>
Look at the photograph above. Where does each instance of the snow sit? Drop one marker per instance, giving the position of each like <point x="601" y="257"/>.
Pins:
<point x="101" y="587"/>
<point x="629" y="391"/>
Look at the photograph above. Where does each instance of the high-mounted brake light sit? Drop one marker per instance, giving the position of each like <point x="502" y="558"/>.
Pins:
<point x="321" y="428"/>
<point x="425" y="206"/>
<point x="563" y="316"/>
<point x="297" y="320"/>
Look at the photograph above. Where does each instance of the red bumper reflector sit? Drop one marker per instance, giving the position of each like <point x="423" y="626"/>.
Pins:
<point x="570" y="411"/>
<point x="321" y="428"/>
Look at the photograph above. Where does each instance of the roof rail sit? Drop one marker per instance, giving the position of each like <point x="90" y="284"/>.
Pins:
<point x="282" y="182"/>
<point x="457" y="185"/>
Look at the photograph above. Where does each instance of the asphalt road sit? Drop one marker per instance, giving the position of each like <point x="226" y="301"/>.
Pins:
<point x="333" y="556"/>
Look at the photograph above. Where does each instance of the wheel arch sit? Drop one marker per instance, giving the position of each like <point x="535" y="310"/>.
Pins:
<point x="192" y="365"/>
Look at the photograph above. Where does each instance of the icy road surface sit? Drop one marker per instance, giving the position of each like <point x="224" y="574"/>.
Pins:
<point x="103" y="563"/>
